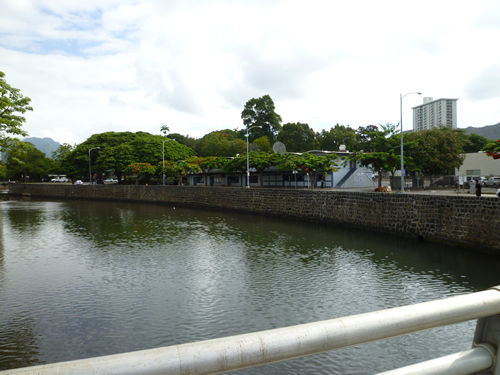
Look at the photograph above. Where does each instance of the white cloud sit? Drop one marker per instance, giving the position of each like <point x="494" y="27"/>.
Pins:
<point x="93" y="66"/>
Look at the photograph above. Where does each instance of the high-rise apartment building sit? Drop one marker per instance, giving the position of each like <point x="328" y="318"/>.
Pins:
<point x="435" y="114"/>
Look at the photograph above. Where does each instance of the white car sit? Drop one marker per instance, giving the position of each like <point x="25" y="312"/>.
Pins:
<point x="60" y="179"/>
<point x="111" y="181"/>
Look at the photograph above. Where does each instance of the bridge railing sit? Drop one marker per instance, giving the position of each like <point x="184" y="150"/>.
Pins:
<point x="259" y="348"/>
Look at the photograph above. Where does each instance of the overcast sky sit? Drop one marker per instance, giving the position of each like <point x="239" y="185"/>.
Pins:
<point x="123" y="65"/>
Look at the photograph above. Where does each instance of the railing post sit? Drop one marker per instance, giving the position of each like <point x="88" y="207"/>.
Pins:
<point x="488" y="332"/>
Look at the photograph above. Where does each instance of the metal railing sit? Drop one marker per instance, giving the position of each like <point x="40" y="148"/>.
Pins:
<point x="258" y="348"/>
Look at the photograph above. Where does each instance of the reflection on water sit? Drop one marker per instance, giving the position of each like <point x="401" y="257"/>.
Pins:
<point x="82" y="279"/>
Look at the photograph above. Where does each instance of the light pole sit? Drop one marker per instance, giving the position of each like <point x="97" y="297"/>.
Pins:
<point x="90" y="168"/>
<point x="248" y="162"/>
<point x="164" y="129"/>
<point x="401" y="96"/>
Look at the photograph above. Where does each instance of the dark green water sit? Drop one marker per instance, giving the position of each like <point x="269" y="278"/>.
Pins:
<point x="81" y="279"/>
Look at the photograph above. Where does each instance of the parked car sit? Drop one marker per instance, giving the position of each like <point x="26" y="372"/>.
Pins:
<point x="111" y="181"/>
<point x="446" y="181"/>
<point x="60" y="179"/>
<point x="78" y="182"/>
<point x="492" y="182"/>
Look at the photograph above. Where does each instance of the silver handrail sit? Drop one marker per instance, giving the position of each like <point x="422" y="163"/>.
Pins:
<point x="258" y="348"/>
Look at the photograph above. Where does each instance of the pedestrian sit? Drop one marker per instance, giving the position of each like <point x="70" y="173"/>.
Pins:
<point x="478" y="188"/>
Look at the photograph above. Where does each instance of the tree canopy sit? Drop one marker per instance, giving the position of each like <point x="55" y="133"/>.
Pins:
<point x="297" y="137"/>
<point x="12" y="105"/>
<point x="259" y="114"/>
<point x="114" y="151"/>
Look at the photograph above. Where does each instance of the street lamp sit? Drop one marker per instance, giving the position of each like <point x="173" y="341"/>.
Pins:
<point x="248" y="163"/>
<point x="90" y="169"/>
<point x="164" y="130"/>
<point x="401" y="96"/>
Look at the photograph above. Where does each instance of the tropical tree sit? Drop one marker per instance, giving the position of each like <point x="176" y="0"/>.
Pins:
<point x="493" y="149"/>
<point x="317" y="165"/>
<point x="260" y="114"/>
<point x="205" y="164"/>
<point x="336" y="136"/>
<point x="142" y="171"/>
<point x="117" y="150"/>
<point x="222" y="143"/>
<point x="297" y="137"/>
<point x="435" y="151"/>
<point x="262" y="144"/>
<point x="25" y="161"/>
<point x="12" y="105"/>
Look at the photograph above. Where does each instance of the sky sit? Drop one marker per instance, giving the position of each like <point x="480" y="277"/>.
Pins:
<point x="131" y="65"/>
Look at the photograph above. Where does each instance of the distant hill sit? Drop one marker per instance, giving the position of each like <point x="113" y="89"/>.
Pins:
<point x="491" y="132"/>
<point x="46" y="145"/>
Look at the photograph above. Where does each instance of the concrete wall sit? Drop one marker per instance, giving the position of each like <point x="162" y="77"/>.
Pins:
<point x="466" y="220"/>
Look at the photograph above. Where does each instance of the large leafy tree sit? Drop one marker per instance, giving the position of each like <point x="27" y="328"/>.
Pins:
<point x="114" y="151"/>
<point x="222" y="143"/>
<point x="12" y="105"/>
<point x="493" y="149"/>
<point x="336" y="136"/>
<point x="25" y="161"/>
<point x="317" y="165"/>
<point x="435" y="151"/>
<point x="297" y="137"/>
<point x="260" y="114"/>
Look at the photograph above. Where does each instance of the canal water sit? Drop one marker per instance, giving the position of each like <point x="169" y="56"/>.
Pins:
<point x="81" y="279"/>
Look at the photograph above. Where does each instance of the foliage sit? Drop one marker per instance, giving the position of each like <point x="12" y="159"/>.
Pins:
<point x="142" y="171"/>
<point x="222" y="143"/>
<point x="297" y="137"/>
<point x="263" y="144"/>
<point x="205" y="164"/>
<point x="119" y="149"/>
<point x="336" y="136"/>
<point x="474" y="142"/>
<point x="186" y="140"/>
<point x="435" y="151"/>
<point x="260" y="114"/>
<point x="12" y="105"/>
<point x="316" y="165"/>
<point x="25" y="160"/>
<point x="493" y="149"/>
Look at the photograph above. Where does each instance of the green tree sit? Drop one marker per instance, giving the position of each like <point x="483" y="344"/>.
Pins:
<point x="493" y="149"/>
<point x="221" y="143"/>
<point x="119" y="149"/>
<point x="260" y="114"/>
<point x="297" y="137"/>
<point x="336" y="136"/>
<point x="205" y="164"/>
<point x="25" y="161"/>
<point x="317" y="165"/>
<point x="474" y="142"/>
<point x="186" y="140"/>
<point x="12" y="105"/>
<point x="142" y="171"/>
<point x="435" y="151"/>
<point x="262" y="144"/>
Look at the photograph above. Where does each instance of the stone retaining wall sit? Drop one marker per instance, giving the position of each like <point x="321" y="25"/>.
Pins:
<point x="466" y="220"/>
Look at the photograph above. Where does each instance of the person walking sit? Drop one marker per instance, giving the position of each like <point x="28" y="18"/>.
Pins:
<point x="478" y="188"/>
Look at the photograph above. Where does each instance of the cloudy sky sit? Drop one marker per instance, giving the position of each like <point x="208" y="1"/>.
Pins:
<point x="128" y="65"/>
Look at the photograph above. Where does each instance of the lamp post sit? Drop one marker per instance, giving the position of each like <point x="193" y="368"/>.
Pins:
<point x="248" y="162"/>
<point x="164" y="129"/>
<point x="90" y="168"/>
<point x="401" y="96"/>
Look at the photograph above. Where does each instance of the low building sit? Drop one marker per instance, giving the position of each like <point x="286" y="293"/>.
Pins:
<point x="347" y="175"/>
<point x="478" y="164"/>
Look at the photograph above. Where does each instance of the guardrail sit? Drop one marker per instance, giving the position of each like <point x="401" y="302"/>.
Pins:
<point x="258" y="348"/>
